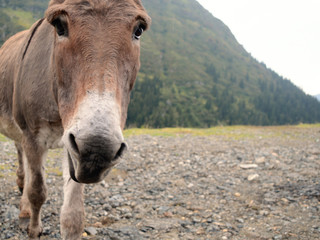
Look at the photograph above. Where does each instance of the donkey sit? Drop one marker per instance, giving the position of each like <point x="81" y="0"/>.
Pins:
<point x="66" y="82"/>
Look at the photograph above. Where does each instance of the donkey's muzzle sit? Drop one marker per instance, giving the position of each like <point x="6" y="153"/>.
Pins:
<point x="91" y="158"/>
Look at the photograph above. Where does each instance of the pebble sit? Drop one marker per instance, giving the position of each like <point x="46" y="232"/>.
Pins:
<point x="260" y="160"/>
<point x="248" y="166"/>
<point x="240" y="220"/>
<point x="196" y="219"/>
<point x="91" y="231"/>
<point x="253" y="177"/>
<point x="237" y="194"/>
<point x="278" y="237"/>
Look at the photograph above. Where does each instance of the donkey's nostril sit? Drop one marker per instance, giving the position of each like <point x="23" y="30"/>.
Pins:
<point x="122" y="149"/>
<point x="73" y="143"/>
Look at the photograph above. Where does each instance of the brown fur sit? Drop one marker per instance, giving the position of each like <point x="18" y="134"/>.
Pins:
<point x="44" y="78"/>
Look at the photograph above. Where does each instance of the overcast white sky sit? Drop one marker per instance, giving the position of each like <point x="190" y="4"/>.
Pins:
<point x="284" y="34"/>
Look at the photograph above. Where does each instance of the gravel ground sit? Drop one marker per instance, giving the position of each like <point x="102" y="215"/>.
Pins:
<point x="243" y="183"/>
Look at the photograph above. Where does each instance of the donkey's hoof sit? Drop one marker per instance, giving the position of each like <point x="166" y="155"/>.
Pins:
<point x="34" y="233"/>
<point x="24" y="223"/>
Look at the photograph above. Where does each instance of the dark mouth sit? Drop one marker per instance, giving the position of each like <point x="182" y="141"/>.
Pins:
<point x="121" y="151"/>
<point x="97" y="173"/>
<point x="71" y="169"/>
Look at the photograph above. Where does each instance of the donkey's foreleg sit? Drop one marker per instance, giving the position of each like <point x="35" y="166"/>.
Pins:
<point x="72" y="211"/>
<point x="35" y="186"/>
<point x="25" y="208"/>
<point x="20" y="169"/>
<point x="22" y="180"/>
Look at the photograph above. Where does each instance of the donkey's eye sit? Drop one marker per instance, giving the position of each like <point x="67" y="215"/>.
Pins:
<point x="138" y="31"/>
<point x="60" y="26"/>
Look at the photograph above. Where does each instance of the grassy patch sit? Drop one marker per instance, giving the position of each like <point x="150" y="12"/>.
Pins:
<point x="10" y="170"/>
<point x="309" y="125"/>
<point x="3" y="138"/>
<point x="54" y="154"/>
<point x="4" y="167"/>
<point x="20" y="17"/>
<point x="166" y="132"/>
<point x="232" y="132"/>
<point x="54" y="171"/>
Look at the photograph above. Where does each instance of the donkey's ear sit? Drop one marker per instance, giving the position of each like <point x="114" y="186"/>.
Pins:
<point x="59" y="19"/>
<point x="138" y="2"/>
<point x="52" y="2"/>
<point x="54" y="13"/>
<point x="55" y="8"/>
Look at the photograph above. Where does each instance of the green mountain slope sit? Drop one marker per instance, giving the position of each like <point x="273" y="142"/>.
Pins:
<point x="17" y="15"/>
<point x="194" y="73"/>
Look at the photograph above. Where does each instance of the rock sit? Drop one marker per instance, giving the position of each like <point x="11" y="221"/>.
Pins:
<point x="213" y="228"/>
<point x="196" y="219"/>
<point x="253" y="177"/>
<point x="263" y="213"/>
<point x="278" y="237"/>
<point x="260" y="160"/>
<point x="114" y="217"/>
<point x="116" y="200"/>
<point x="162" y="209"/>
<point x="240" y="220"/>
<point x="248" y="166"/>
<point x="206" y="214"/>
<point x="124" y="209"/>
<point x="237" y="194"/>
<point x="185" y="224"/>
<point x="161" y="224"/>
<point x="106" y="207"/>
<point x="122" y="233"/>
<point x="91" y="231"/>
<point x="46" y="231"/>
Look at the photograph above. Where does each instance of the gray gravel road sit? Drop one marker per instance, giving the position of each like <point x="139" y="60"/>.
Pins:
<point x="246" y="183"/>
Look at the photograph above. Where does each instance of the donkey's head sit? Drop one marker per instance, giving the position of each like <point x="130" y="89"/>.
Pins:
<point x="96" y="60"/>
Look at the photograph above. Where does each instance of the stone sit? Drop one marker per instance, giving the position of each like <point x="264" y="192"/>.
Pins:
<point x="91" y="231"/>
<point x="162" y="209"/>
<point x="248" y="166"/>
<point x="253" y="177"/>
<point x="277" y="237"/>
<point x="196" y="219"/>
<point x="46" y="231"/>
<point x="240" y="220"/>
<point x="263" y="212"/>
<point x="161" y="224"/>
<point x="260" y="160"/>
<point x="237" y="194"/>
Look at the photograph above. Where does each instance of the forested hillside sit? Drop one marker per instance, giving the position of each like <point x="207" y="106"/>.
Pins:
<point x="17" y="15"/>
<point x="194" y="72"/>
